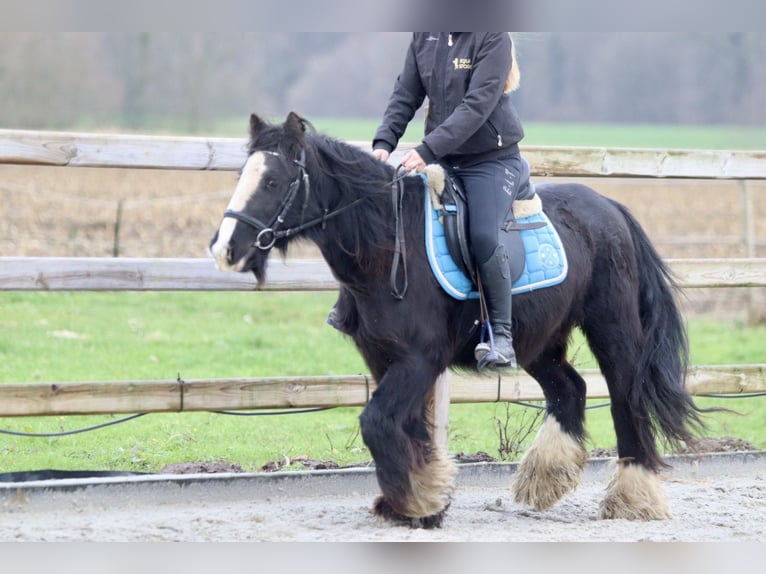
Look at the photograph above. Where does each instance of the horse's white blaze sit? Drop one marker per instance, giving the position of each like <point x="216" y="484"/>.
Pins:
<point x="248" y="182"/>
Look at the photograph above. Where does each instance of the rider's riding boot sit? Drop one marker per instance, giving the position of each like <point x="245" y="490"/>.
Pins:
<point x="496" y="285"/>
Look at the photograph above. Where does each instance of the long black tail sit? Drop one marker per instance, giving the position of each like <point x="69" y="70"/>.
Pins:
<point x="658" y="391"/>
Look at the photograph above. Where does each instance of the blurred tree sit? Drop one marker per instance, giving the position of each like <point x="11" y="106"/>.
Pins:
<point x="55" y="80"/>
<point x="192" y="81"/>
<point x="642" y="77"/>
<point x="131" y="61"/>
<point x="354" y="78"/>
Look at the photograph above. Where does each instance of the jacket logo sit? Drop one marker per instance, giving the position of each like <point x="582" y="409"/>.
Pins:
<point x="462" y="63"/>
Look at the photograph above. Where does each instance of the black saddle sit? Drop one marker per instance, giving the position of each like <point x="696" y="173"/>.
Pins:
<point x="455" y="221"/>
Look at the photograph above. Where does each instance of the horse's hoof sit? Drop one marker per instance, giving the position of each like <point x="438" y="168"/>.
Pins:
<point x="634" y="493"/>
<point x="383" y="509"/>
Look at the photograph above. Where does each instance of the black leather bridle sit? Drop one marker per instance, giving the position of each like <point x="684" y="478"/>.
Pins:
<point x="269" y="233"/>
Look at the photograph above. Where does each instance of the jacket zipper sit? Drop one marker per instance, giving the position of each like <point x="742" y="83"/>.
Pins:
<point x="497" y="133"/>
<point x="443" y="71"/>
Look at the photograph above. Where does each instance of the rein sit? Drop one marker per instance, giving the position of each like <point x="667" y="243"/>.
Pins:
<point x="400" y="247"/>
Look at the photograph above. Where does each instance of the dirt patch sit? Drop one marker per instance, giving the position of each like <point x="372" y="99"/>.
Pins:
<point x="723" y="444"/>
<point x="307" y="463"/>
<point x="287" y="463"/>
<point x="201" y="467"/>
<point x="706" y="445"/>
<point x="480" y="456"/>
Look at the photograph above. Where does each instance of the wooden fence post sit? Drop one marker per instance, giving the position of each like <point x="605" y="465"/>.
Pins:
<point x="441" y="412"/>
<point x="117" y="226"/>
<point x="753" y="315"/>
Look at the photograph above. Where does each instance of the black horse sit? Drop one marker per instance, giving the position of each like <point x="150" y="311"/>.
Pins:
<point x="300" y="184"/>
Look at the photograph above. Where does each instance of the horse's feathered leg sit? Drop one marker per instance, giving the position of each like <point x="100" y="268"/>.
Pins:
<point x="415" y="475"/>
<point x="552" y="466"/>
<point x="634" y="492"/>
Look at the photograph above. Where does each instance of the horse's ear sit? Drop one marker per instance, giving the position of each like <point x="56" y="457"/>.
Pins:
<point x="256" y="124"/>
<point x="295" y="121"/>
<point x="294" y="136"/>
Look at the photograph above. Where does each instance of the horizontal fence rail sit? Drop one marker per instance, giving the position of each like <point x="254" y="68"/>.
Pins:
<point x="146" y="274"/>
<point x="149" y="274"/>
<point x="112" y="397"/>
<point x="201" y="153"/>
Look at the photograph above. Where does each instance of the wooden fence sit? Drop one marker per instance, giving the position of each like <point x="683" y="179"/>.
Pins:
<point x="121" y="274"/>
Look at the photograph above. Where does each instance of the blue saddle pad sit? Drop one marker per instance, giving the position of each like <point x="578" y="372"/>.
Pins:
<point x="545" y="260"/>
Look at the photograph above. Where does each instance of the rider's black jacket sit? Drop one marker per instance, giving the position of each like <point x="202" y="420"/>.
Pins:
<point x="470" y="118"/>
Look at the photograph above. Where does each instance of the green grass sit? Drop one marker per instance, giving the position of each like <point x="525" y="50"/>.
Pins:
<point x="646" y="135"/>
<point x="352" y="129"/>
<point x="683" y="136"/>
<point x="136" y="336"/>
<point x="123" y="336"/>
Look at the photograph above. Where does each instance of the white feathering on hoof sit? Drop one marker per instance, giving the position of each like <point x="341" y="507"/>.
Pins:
<point x="550" y="468"/>
<point x="432" y="486"/>
<point x="634" y="493"/>
<point x="435" y="178"/>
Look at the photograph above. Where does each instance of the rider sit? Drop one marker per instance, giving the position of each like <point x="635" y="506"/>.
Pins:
<point x="473" y="130"/>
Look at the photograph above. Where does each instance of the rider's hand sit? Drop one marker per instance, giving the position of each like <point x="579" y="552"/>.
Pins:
<point x="413" y="161"/>
<point x="380" y="154"/>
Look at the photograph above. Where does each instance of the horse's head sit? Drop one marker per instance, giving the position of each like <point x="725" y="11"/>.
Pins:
<point x="269" y="199"/>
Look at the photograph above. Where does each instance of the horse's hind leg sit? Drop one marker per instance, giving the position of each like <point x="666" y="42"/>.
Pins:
<point x="414" y="473"/>
<point x="634" y="492"/>
<point x="552" y="466"/>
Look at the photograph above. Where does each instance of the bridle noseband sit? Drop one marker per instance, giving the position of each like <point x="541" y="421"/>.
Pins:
<point x="269" y="233"/>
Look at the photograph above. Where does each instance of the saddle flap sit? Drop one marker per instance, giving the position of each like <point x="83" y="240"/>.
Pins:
<point x="456" y="231"/>
<point x="455" y="222"/>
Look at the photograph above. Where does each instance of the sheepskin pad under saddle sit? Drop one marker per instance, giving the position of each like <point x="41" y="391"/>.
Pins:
<point x="536" y="255"/>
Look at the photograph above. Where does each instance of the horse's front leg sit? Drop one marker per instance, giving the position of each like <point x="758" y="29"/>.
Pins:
<point x="553" y="464"/>
<point x="414" y="473"/>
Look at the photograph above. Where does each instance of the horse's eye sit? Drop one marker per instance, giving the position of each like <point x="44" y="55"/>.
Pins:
<point x="271" y="183"/>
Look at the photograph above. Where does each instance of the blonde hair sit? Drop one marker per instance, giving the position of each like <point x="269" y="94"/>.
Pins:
<point x="514" y="76"/>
